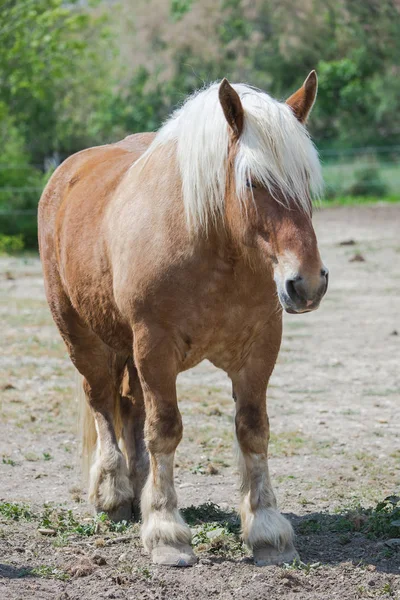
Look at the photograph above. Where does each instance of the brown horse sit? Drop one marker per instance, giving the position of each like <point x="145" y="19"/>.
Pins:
<point x="166" y="249"/>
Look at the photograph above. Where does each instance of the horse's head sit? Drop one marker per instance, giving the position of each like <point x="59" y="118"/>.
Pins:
<point x="272" y="168"/>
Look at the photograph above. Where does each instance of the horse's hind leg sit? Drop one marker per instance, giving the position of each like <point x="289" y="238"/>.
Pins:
<point x="109" y="486"/>
<point x="133" y="420"/>
<point x="264" y="529"/>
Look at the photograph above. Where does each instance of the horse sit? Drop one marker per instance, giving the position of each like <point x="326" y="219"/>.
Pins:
<point x="168" y="248"/>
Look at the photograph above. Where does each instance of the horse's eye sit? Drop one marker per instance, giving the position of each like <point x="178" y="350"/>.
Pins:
<point x="250" y="184"/>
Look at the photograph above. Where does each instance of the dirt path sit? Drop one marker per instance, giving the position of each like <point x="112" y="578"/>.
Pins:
<point x="334" y="406"/>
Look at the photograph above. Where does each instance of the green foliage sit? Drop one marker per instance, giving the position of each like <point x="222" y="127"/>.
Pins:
<point x="211" y="513"/>
<point x="9" y="461"/>
<point x="74" y="74"/>
<point x="384" y="519"/>
<point x="11" y="243"/>
<point x="217" y="540"/>
<point x="15" y="512"/>
<point x="309" y="526"/>
<point x="368" y="182"/>
<point x="180" y="8"/>
<point x="20" y="186"/>
<point x="299" y="565"/>
<point x="356" y="200"/>
<point x="215" y="531"/>
<point x="138" y="108"/>
<point x="46" y="48"/>
<point x="49" y="572"/>
<point x="64" y="522"/>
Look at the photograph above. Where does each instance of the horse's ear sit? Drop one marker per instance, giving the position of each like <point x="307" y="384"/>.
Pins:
<point x="302" y="101"/>
<point x="232" y="107"/>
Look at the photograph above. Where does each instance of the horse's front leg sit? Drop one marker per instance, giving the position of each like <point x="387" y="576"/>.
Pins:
<point x="164" y="532"/>
<point x="264" y="529"/>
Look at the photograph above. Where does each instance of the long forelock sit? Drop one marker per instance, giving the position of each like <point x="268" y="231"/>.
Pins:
<point x="274" y="151"/>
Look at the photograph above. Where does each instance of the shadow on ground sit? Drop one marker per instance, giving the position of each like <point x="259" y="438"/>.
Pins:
<point x="333" y="539"/>
<point x="328" y="539"/>
<point x="10" y="572"/>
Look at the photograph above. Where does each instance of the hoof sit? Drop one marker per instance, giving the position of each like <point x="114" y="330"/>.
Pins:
<point x="174" y="555"/>
<point x="269" y="555"/>
<point x="120" y="513"/>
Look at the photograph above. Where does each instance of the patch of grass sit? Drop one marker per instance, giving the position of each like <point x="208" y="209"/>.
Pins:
<point x="298" y="565"/>
<point x="309" y="526"/>
<point x="382" y="521"/>
<point x="60" y="541"/>
<point x="60" y="520"/>
<point x="15" y="512"/>
<point x="213" y="539"/>
<point x="287" y="443"/>
<point x="211" y="513"/>
<point x="64" y="522"/>
<point x="215" y="531"/>
<point x="356" y="200"/>
<point x="144" y="573"/>
<point x="388" y="589"/>
<point x="48" y="572"/>
<point x="47" y="456"/>
<point x="9" y="461"/>
<point x="199" y="469"/>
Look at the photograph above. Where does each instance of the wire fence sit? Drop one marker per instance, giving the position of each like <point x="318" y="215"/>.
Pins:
<point x="369" y="171"/>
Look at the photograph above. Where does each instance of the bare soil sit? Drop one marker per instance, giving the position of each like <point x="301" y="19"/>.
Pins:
<point x="334" y="404"/>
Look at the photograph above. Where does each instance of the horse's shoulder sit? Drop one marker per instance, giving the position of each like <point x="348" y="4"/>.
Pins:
<point x="82" y="171"/>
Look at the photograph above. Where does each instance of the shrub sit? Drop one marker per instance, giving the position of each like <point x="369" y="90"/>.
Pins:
<point x="20" y="187"/>
<point x="368" y="182"/>
<point x="11" y="243"/>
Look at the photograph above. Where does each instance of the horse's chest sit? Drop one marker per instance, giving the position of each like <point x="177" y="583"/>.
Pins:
<point x="225" y="330"/>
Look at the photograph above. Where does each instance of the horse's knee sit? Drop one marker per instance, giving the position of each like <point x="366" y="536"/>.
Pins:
<point x="252" y="429"/>
<point x="163" y="429"/>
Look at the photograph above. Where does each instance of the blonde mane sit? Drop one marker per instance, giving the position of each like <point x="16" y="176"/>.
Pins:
<point x="274" y="150"/>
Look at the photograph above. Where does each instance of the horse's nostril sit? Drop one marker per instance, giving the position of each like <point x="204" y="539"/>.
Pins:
<point x="326" y="282"/>
<point x="324" y="272"/>
<point x="294" y="289"/>
<point x="291" y="292"/>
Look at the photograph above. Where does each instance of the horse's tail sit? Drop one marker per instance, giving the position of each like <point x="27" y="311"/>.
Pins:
<point x="87" y="426"/>
<point x="87" y="429"/>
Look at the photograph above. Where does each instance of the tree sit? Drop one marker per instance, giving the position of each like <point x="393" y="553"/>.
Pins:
<point x="48" y="71"/>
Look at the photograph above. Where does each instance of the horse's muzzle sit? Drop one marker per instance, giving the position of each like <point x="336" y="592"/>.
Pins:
<point x="299" y="295"/>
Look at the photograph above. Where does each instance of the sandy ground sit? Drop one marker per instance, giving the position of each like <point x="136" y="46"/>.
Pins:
<point x="334" y="412"/>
